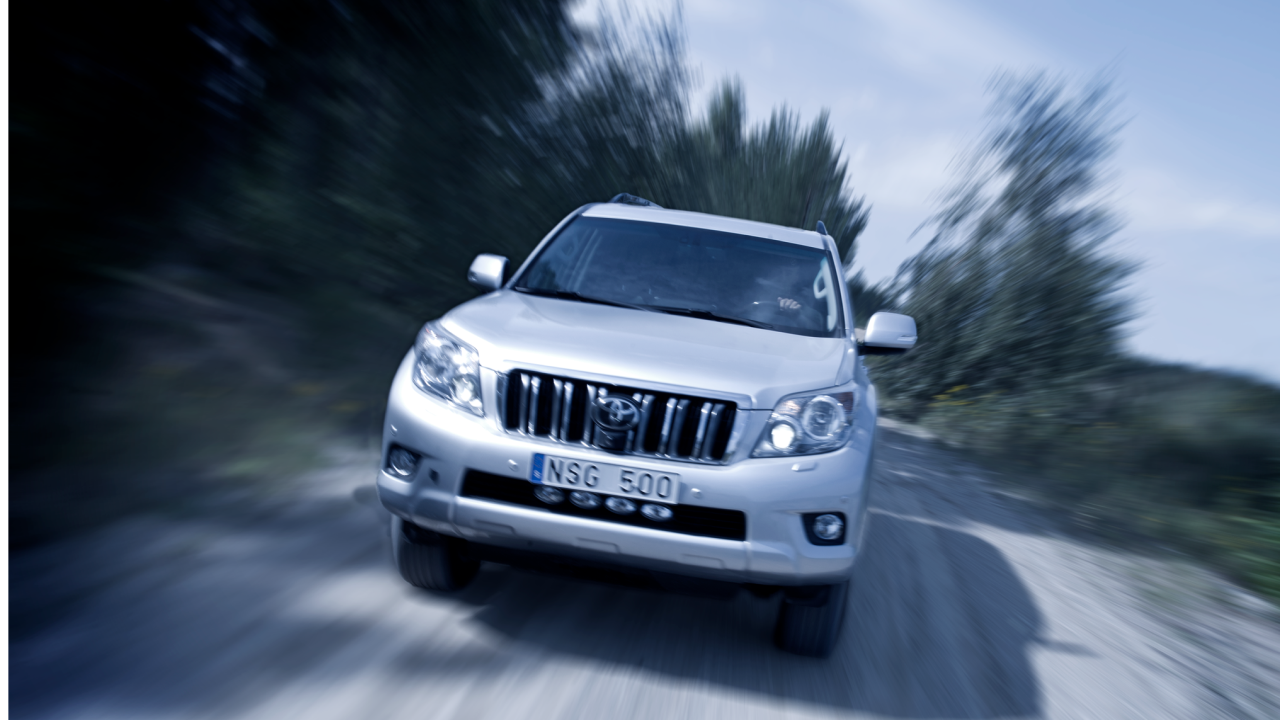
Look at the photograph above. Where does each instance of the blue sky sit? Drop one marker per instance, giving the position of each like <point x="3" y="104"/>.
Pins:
<point x="1198" y="169"/>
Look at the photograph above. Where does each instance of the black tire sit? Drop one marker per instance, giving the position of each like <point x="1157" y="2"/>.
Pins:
<point x="809" y="621"/>
<point x="430" y="560"/>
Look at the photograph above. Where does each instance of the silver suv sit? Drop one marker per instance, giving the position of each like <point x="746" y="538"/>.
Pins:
<point x="660" y="392"/>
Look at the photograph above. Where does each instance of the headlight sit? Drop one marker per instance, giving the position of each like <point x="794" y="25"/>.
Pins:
<point x="808" y="424"/>
<point x="448" y="368"/>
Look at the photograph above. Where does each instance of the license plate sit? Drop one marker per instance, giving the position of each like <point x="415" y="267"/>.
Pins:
<point x="605" y="478"/>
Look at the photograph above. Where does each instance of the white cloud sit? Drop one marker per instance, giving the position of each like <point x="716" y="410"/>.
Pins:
<point x="1230" y="216"/>
<point x="1162" y="201"/>
<point x="941" y="39"/>
<point x="905" y="173"/>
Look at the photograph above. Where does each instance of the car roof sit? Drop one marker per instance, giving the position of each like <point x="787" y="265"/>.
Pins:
<point x="807" y="238"/>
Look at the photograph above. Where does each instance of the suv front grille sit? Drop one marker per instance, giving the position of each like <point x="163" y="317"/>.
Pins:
<point x="672" y="427"/>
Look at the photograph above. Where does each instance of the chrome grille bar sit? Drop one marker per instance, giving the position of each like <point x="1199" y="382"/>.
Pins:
<point x="633" y="434"/>
<point x="557" y="389"/>
<point x="588" y="427"/>
<point x="703" y="416"/>
<point x="642" y="428"/>
<point x="568" y="411"/>
<point x="712" y="428"/>
<point x="535" y="384"/>
<point x="524" y="403"/>
<point x="682" y="409"/>
<point x="666" y="426"/>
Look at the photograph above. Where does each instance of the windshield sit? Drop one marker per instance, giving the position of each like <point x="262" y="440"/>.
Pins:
<point x="690" y="271"/>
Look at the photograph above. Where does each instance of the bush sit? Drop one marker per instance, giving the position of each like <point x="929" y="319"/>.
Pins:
<point x="1187" y="457"/>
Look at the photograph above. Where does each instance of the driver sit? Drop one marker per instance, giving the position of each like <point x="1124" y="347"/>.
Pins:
<point x="783" y="294"/>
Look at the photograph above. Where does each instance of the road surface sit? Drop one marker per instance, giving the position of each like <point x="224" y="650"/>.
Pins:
<point x="967" y="604"/>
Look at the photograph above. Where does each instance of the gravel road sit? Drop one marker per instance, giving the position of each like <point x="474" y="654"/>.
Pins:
<point x="967" y="604"/>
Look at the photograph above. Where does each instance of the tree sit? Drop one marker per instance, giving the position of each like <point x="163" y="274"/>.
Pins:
<point x="386" y="138"/>
<point x="775" y="172"/>
<point x="1016" y="288"/>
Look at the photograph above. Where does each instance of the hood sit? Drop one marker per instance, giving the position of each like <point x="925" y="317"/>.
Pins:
<point x="648" y="349"/>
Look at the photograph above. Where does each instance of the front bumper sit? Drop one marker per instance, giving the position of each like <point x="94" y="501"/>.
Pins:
<point x="773" y="493"/>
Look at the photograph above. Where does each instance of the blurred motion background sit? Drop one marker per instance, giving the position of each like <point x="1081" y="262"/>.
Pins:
<point x="228" y="218"/>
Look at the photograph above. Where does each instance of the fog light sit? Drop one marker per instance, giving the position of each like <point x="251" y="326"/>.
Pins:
<point x="549" y="495"/>
<point x="620" y="505"/>
<point x="584" y="500"/>
<point x="828" y="527"/>
<point x="656" y="513"/>
<point x="402" y="462"/>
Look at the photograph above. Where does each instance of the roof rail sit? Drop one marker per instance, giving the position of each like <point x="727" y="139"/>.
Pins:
<point x="630" y="199"/>
<point x="822" y="229"/>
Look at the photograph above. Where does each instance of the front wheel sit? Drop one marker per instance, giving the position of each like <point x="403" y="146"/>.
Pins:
<point x="810" y="620"/>
<point x="430" y="560"/>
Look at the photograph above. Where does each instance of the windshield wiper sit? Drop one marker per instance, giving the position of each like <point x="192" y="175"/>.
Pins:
<point x="670" y="310"/>
<point x="571" y="295"/>
<point x="708" y="315"/>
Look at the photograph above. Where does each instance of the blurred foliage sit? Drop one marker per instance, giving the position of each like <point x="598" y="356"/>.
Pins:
<point x="1188" y="437"/>
<point x="1020" y="309"/>
<point x="1189" y="458"/>
<point x="417" y="170"/>
<point x="776" y="172"/>
<point x="382" y="173"/>
<point x="98" y="129"/>
<point x="1015" y="289"/>
<point x="869" y="299"/>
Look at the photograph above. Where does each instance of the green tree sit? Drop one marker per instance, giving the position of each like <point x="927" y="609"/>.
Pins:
<point x="619" y="121"/>
<point x="1016" y="289"/>
<point x="777" y="171"/>
<point x="386" y="140"/>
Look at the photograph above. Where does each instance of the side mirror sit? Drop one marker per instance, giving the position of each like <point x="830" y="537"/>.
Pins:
<point x="486" y="271"/>
<point x="887" y="334"/>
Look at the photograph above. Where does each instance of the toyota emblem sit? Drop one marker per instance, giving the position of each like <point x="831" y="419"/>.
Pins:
<point x="615" y="413"/>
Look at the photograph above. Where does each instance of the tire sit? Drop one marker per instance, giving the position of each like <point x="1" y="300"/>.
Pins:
<point x="809" y="622"/>
<point x="430" y="560"/>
